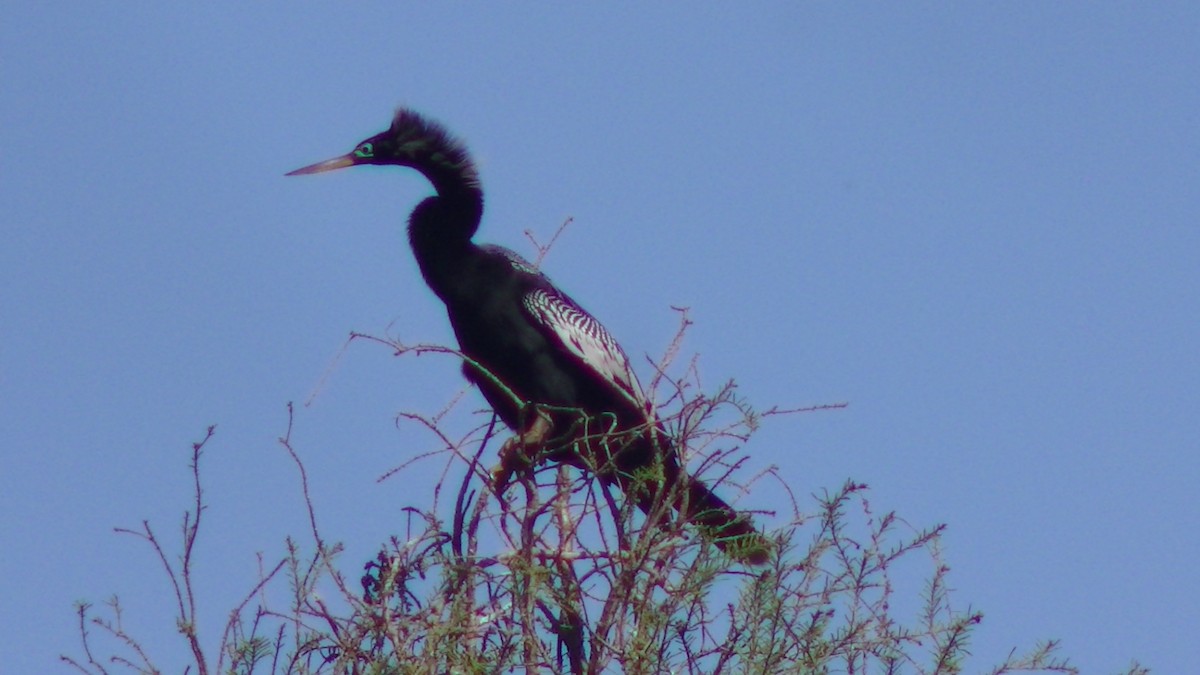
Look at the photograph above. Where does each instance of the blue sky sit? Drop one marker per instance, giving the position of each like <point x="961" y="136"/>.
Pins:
<point x="977" y="224"/>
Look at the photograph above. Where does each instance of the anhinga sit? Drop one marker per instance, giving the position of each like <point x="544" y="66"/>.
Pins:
<point x="550" y="371"/>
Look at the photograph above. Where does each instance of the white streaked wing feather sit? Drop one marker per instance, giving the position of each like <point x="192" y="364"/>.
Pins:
<point x="582" y="335"/>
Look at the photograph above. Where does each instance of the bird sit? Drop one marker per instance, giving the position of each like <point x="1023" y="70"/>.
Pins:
<point x="549" y="370"/>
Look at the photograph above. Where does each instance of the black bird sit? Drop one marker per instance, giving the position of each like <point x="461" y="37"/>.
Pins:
<point x="550" y="371"/>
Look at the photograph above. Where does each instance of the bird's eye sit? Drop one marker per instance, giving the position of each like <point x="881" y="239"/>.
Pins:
<point x="365" y="151"/>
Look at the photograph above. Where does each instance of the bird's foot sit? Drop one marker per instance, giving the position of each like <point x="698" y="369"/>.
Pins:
<point x="518" y="452"/>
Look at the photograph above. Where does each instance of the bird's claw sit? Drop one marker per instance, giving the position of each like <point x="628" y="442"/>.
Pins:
<point x="516" y="453"/>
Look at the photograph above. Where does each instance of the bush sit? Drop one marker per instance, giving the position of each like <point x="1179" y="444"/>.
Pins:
<point x="561" y="575"/>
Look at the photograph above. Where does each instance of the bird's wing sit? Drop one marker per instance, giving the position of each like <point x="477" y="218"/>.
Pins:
<point x="580" y="334"/>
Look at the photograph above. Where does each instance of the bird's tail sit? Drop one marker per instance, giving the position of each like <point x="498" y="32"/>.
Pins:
<point x="732" y="532"/>
<point x="647" y="468"/>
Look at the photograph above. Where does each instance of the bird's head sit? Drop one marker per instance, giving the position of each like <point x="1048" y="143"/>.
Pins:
<point x="413" y="141"/>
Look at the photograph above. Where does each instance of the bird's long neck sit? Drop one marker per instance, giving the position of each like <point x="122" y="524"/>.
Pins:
<point x="440" y="231"/>
<point x="441" y="227"/>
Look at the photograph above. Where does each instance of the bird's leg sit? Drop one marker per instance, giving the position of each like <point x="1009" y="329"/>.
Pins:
<point x="517" y="451"/>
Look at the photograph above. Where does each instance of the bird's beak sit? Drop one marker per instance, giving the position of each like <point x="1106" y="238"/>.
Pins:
<point x="328" y="165"/>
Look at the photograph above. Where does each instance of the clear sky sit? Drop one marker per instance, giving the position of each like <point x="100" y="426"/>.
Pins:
<point x="979" y="224"/>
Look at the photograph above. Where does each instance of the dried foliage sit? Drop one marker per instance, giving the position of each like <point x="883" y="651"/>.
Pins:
<point x="560" y="575"/>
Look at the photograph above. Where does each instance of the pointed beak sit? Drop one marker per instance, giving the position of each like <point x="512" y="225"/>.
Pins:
<point x="328" y="165"/>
